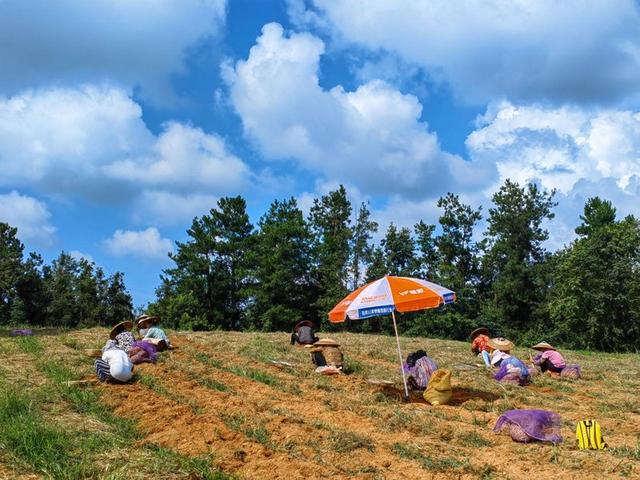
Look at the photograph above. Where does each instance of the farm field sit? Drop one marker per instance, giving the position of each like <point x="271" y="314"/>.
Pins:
<point x="216" y="407"/>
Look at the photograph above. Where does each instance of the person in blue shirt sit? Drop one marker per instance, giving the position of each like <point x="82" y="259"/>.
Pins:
<point x="150" y="332"/>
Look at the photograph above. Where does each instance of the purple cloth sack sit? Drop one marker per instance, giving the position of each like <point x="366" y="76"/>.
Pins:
<point x="149" y="348"/>
<point x="21" y="332"/>
<point x="539" y="425"/>
<point x="505" y="376"/>
<point x="571" y="371"/>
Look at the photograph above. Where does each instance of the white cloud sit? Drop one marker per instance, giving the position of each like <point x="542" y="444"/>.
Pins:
<point x="92" y="142"/>
<point x="144" y="243"/>
<point x="30" y="216"/>
<point x="487" y="50"/>
<point x="134" y="43"/>
<point x="372" y="137"/>
<point x="169" y="208"/>
<point x="558" y="147"/>
<point x="580" y="153"/>
<point x="78" y="255"/>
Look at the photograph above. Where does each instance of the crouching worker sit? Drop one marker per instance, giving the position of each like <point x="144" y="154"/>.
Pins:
<point x="121" y="337"/>
<point x="151" y="333"/>
<point x="327" y="353"/>
<point x="480" y="344"/>
<point x="420" y="367"/>
<point x="549" y="359"/>
<point x="115" y="366"/>
<point x="303" y="333"/>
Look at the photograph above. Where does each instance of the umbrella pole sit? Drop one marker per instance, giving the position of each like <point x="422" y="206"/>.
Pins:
<point x="404" y="380"/>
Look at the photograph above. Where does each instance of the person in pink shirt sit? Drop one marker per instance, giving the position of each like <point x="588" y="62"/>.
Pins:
<point x="549" y="358"/>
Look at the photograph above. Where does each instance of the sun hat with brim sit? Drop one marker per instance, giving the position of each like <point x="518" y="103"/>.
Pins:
<point x="142" y="319"/>
<point x="304" y="323"/>
<point x="479" y="331"/>
<point x="126" y="325"/>
<point x="326" y="342"/>
<point x="543" y="346"/>
<point x="501" y="344"/>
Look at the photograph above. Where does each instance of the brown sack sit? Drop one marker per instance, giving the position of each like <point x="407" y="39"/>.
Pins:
<point x="333" y="356"/>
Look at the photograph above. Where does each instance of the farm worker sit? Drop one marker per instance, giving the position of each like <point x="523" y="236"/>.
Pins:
<point x="420" y="367"/>
<point x="549" y="359"/>
<point x="303" y="333"/>
<point x="121" y="337"/>
<point x="326" y="352"/>
<point x="479" y="344"/>
<point x="500" y="349"/>
<point x="114" y="367"/>
<point x="151" y="333"/>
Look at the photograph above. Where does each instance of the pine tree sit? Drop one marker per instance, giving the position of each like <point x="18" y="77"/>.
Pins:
<point x="361" y="248"/>
<point x="399" y="251"/>
<point x="10" y="269"/>
<point x="281" y="292"/>
<point x="330" y="227"/>
<point x="514" y="256"/>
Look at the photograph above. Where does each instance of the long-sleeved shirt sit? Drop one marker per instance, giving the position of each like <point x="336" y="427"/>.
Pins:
<point x="120" y="366"/>
<point x="156" y="332"/>
<point x="554" y="357"/>
<point x="497" y="356"/>
<point x="480" y="344"/>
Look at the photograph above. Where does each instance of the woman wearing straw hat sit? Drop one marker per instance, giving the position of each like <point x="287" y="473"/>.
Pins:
<point x="549" y="358"/>
<point x="500" y="350"/>
<point x="151" y="333"/>
<point x="121" y="337"/>
<point x="114" y="366"/>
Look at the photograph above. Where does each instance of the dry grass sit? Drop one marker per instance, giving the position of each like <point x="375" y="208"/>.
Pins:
<point x="217" y="399"/>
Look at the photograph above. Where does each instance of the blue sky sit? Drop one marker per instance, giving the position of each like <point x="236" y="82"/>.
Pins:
<point x="121" y="121"/>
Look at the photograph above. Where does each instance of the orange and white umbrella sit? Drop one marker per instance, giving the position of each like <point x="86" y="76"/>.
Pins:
<point x="388" y="294"/>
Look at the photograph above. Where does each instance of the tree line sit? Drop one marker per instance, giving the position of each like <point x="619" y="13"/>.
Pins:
<point x="69" y="292"/>
<point x="231" y="274"/>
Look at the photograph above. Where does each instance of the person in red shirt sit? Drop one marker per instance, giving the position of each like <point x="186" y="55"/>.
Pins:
<point x="480" y="344"/>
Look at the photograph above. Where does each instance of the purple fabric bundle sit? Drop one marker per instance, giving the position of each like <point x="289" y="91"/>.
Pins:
<point x="539" y="425"/>
<point x="513" y="370"/>
<point x="571" y="371"/>
<point x="21" y="332"/>
<point x="147" y="347"/>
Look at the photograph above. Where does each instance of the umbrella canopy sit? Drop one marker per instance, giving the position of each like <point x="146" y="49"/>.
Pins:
<point x="388" y="294"/>
<point x="383" y="296"/>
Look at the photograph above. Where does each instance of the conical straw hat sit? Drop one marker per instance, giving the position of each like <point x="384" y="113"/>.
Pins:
<point x="126" y="325"/>
<point x="479" y="331"/>
<point x="327" y="342"/>
<point x="543" y="346"/>
<point x="501" y="344"/>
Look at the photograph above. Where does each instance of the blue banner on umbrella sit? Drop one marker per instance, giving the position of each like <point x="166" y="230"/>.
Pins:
<point x="375" y="311"/>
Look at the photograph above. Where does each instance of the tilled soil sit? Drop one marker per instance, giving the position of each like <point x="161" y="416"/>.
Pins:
<point x="218" y="393"/>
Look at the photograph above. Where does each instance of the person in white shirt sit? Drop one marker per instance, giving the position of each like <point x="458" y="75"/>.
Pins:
<point x="114" y="367"/>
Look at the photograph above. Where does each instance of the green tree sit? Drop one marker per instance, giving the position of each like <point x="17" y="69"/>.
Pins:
<point x="10" y="269"/>
<point x="361" y="247"/>
<point x="515" y="257"/>
<point x="281" y="291"/>
<point x="60" y="279"/>
<point x="399" y="251"/>
<point x="378" y="266"/>
<point x="595" y="299"/>
<point x="329" y="220"/>
<point x="428" y="258"/>
<point x="212" y="267"/>
<point x="459" y="253"/>
<point x="119" y="304"/>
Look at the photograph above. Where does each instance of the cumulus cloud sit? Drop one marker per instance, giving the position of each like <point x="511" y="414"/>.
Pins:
<point x="143" y="243"/>
<point x="92" y="142"/>
<point x="486" y="50"/>
<point x="579" y="152"/>
<point x="30" y="216"/>
<point x="139" y="43"/>
<point x="371" y="137"/>
<point x="167" y="208"/>
<point x="78" y="255"/>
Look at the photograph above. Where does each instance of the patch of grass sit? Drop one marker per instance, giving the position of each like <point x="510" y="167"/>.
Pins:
<point x="70" y="342"/>
<point x="473" y="439"/>
<point x="260" y="434"/>
<point x="207" y="360"/>
<point x="40" y="446"/>
<point x="352" y="366"/>
<point x="411" y="452"/>
<point x="253" y="374"/>
<point x="29" y="344"/>
<point x="162" y="460"/>
<point x="627" y="452"/>
<point x="343" y="441"/>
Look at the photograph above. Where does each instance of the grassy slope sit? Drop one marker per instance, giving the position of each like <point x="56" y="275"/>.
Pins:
<point x="217" y="405"/>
